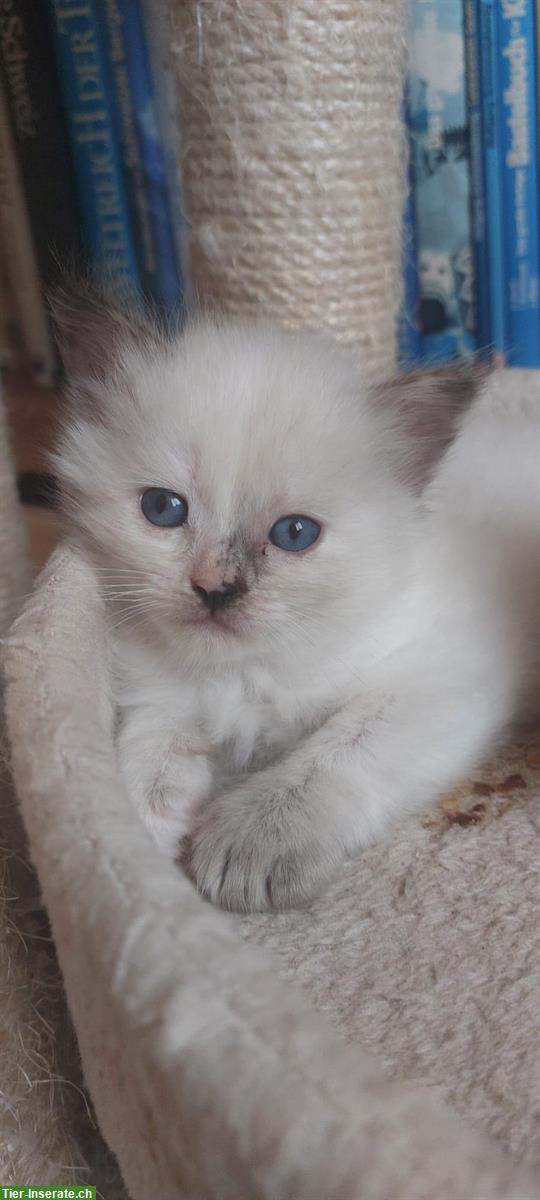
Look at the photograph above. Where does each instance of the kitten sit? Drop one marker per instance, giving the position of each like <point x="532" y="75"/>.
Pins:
<point x="320" y="609"/>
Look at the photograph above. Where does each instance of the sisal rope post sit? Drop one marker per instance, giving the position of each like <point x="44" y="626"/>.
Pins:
<point x="293" y="161"/>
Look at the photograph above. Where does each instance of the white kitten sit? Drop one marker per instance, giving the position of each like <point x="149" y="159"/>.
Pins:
<point x="305" y="649"/>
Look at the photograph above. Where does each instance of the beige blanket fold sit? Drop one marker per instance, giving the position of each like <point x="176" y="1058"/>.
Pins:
<point x="37" y="1107"/>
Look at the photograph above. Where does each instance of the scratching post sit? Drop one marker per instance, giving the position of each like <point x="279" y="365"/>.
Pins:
<point x="293" y="159"/>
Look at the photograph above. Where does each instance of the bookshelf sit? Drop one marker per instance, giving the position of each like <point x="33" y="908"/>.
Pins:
<point x="32" y="413"/>
<point x="472" y="224"/>
<point x="84" y="180"/>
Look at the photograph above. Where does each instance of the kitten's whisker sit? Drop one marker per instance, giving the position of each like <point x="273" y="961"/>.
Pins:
<point x="126" y="593"/>
<point x="132" y="615"/>
<point x="128" y="600"/>
<point x="122" y="583"/>
<point x="132" y="602"/>
<point x="128" y="577"/>
<point x="133" y="605"/>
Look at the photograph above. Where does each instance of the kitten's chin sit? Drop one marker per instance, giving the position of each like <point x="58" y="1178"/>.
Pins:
<point x="218" y="626"/>
<point x="214" y="642"/>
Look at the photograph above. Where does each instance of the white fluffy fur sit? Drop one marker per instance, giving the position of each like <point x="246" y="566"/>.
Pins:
<point x="354" y="682"/>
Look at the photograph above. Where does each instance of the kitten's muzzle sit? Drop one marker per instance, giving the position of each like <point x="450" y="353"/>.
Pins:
<point x="220" y="598"/>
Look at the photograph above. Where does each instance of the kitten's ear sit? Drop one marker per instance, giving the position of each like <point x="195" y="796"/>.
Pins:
<point x="92" y="324"/>
<point x="424" y="409"/>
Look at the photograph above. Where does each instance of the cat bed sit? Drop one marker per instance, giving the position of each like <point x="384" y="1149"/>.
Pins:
<point x="211" y="1074"/>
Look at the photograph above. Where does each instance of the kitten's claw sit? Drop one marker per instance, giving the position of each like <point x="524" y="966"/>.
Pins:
<point x="245" y="865"/>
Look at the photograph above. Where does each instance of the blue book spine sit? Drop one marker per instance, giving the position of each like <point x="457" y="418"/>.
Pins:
<point x="473" y="58"/>
<point x="144" y="158"/>
<point x="440" y="156"/>
<point x="517" y="95"/>
<point x="491" y="144"/>
<point x="408" y="336"/>
<point x="156" y="15"/>
<point x="87" y="101"/>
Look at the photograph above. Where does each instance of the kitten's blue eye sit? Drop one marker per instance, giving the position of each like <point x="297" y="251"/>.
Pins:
<point x="294" y="533"/>
<point x="164" y="508"/>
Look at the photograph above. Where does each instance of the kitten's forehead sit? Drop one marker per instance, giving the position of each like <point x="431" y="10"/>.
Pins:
<point x="256" y="378"/>
<point x="251" y="411"/>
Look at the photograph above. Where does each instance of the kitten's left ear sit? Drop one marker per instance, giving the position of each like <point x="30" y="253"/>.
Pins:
<point x="424" y="409"/>
<point x="93" y="324"/>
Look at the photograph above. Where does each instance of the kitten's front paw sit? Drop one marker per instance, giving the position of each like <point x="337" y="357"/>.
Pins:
<point x="168" y="800"/>
<point x="248" y="858"/>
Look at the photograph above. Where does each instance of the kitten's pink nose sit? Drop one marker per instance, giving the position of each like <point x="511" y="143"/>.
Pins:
<point x="209" y="580"/>
<point x="219" y="596"/>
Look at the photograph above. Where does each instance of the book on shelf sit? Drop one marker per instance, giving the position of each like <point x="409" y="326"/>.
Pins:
<point x="156" y="18"/>
<point x="40" y="135"/>
<point x="137" y="125"/>
<point x="20" y="259"/>
<point x="517" y="114"/>
<point x="87" y="93"/>
<point x="408" y="335"/>
<point x="437" y="117"/>
<point x="491" y="149"/>
<point x="480" y="280"/>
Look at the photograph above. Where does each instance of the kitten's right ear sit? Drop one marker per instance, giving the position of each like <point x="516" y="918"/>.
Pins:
<point x="425" y="408"/>
<point x="92" y="325"/>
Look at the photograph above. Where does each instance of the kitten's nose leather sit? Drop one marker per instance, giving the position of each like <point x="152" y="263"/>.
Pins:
<point x="219" y="597"/>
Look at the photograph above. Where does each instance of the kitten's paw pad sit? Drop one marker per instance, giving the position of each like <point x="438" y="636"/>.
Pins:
<point x="252" y="873"/>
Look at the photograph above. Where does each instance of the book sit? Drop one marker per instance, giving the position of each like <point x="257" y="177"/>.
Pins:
<point x="168" y="287"/>
<point x="111" y="26"/>
<point x="408" y="337"/>
<point x="157" y="25"/>
<point x="439" y="145"/>
<point x="143" y="159"/>
<point x="20" y="260"/>
<point x="481" y="274"/>
<point x="86" y="91"/>
<point x="40" y="135"/>
<point x="493" y="198"/>
<point x="518" y="119"/>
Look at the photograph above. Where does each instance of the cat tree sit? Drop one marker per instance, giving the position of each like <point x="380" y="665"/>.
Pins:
<point x="211" y="1072"/>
